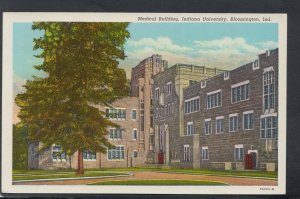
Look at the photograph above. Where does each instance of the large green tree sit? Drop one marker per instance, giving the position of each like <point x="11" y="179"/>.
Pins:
<point x="20" y="147"/>
<point x="81" y="71"/>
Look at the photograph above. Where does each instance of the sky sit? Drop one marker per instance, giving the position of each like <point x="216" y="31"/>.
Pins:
<point x="222" y="45"/>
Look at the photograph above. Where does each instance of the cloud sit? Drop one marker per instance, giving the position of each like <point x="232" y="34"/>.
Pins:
<point x="160" y="43"/>
<point x="225" y="53"/>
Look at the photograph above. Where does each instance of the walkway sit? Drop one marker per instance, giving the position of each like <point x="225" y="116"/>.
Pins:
<point x="142" y="175"/>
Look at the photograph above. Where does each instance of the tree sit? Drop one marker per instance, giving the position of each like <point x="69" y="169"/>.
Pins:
<point x="20" y="147"/>
<point x="81" y="71"/>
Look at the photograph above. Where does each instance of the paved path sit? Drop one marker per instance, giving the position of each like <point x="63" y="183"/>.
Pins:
<point x="156" y="175"/>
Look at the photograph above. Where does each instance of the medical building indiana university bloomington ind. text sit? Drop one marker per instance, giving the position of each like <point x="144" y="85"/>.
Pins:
<point x="188" y="116"/>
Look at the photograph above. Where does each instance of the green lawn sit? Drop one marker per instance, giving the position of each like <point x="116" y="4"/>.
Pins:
<point x="247" y="173"/>
<point x="158" y="182"/>
<point x="34" y="175"/>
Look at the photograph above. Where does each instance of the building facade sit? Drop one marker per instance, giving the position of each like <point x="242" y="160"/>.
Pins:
<point x="141" y="87"/>
<point x="128" y="151"/>
<point x="235" y="124"/>
<point x="168" y="108"/>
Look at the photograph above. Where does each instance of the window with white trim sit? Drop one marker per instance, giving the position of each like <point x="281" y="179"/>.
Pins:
<point x="156" y="93"/>
<point x="169" y="88"/>
<point x="115" y="134"/>
<point x="255" y="64"/>
<point x="214" y="99"/>
<point x="205" y="153"/>
<point x="161" y="137"/>
<point x="269" y="89"/>
<point x="203" y="84"/>
<point x="190" y="128"/>
<point x="240" y="92"/>
<point x="116" y="153"/>
<point x="226" y="75"/>
<point x="57" y="153"/>
<point x="192" y="105"/>
<point x="133" y="114"/>
<point x="134" y="134"/>
<point x="268" y="127"/>
<point x="238" y="152"/>
<point x="207" y="126"/>
<point x="186" y="153"/>
<point x="233" y="123"/>
<point x="116" y="113"/>
<point x="89" y="155"/>
<point x="248" y="120"/>
<point x="220" y="124"/>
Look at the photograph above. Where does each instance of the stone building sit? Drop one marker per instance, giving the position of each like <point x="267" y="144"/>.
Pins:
<point x="230" y="120"/>
<point x="168" y="107"/>
<point x="128" y="151"/>
<point x="141" y="87"/>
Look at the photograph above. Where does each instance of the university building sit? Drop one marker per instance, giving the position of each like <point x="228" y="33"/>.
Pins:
<point x="128" y="151"/>
<point x="168" y="107"/>
<point x="188" y="116"/>
<point x="230" y="120"/>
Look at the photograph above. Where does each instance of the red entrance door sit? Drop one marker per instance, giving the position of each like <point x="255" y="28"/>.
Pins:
<point x="160" y="157"/>
<point x="248" y="161"/>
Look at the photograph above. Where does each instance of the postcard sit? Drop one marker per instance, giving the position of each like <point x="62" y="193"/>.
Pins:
<point x="144" y="103"/>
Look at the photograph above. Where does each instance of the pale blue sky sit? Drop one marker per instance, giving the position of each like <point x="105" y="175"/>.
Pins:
<point x="224" y="45"/>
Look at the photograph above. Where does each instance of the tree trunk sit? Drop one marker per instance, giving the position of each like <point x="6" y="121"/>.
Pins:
<point x="80" y="170"/>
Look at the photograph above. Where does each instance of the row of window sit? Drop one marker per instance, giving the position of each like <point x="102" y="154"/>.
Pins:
<point x="238" y="153"/>
<point x="117" y="134"/>
<point x="119" y="113"/>
<point x="166" y="89"/>
<point x="239" y="92"/>
<point x="268" y="125"/>
<point x="116" y="153"/>
<point x="167" y="110"/>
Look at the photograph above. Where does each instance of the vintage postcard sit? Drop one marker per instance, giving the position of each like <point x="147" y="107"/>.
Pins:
<point x="144" y="103"/>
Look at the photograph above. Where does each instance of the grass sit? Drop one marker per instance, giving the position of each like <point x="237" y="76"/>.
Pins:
<point x="70" y="173"/>
<point x="224" y="173"/>
<point x="247" y="173"/>
<point x="35" y="175"/>
<point x="158" y="182"/>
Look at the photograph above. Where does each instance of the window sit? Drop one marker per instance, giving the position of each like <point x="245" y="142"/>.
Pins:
<point x="135" y="154"/>
<point x="57" y="153"/>
<point x="161" y="138"/>
<point x="186" y="153"/>
<point x="205" y="153"/>
<point x="240" y="91"/>
<point x="115" y="134"/>
<point x="116" y="153"/>
<point x="88" y="155"/>
<point x="248" y="120"/>
<point x="116" y="113"/>
<point x="192" y="82"/>
<point x="134" y="134"/>
<point x="169" y="88"/>
<point x="133" y="114"/>
<point x="268" y="127"/>
<point x="214" y="99"/>
<point x="220" y="124"/>
<point x="238" y="152"/>
<point x="156" y="93"/>
<point x="190" y="128"/>
<point x="207" y="126"/>
<point x="192" y="105"/>
<point x="142" y="122"/>
<point x="255" y="64"/>
<point x="233" y="122"/>
<point x="203" y="84"/>
<point x="269" y="89"/>
<point x="226" y="75"/>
